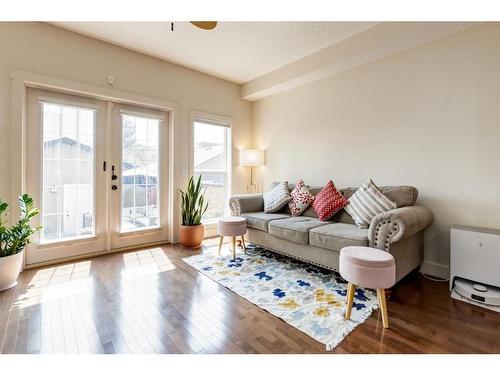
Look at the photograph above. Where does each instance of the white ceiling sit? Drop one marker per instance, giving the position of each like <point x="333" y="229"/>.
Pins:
<point x="236" y="51"/>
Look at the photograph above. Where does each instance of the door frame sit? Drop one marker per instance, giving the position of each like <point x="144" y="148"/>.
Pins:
<point x="23" y="79"/>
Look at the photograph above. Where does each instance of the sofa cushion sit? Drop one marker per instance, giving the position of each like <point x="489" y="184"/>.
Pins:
<point x="403" y="196"/>
<point x="260" y="220"/>
<point x="338" y="235"/>
<point x="295" y="229"/>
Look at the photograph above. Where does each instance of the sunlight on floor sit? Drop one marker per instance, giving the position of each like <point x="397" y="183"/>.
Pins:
<point x="145" y="262"/>
<point x="55" y="282"/>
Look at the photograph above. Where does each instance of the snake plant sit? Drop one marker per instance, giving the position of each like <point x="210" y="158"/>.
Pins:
<point x="14" y="239"/>
<point x="193" y="203"/>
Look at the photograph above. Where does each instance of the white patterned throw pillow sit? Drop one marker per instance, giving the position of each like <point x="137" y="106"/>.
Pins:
<point x="366" y="203"/>
<point x="277" y="198"/>
<point x="301" y="199"/>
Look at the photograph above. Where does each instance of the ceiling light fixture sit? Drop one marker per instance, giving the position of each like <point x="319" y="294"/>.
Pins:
<point x="204" y="25"/>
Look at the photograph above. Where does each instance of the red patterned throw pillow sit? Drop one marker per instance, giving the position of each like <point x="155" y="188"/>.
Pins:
<point x="301" y="199"/>
<point x="328" y="202"/>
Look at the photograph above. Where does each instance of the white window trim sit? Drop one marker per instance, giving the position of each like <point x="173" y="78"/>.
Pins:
<point x="217" y="120"/>
<point x="67" y="103"/>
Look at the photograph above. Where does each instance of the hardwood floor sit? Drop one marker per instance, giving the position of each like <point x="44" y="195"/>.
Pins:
<point x="150" y="301"/>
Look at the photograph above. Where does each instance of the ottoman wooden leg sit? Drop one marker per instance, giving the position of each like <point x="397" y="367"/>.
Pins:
<point x="351" y="289"/>
<point x="243" y="243"/>
<point x="383" y="307"/>
<point x="234" y="247"/>
<point x="221" y="239"/>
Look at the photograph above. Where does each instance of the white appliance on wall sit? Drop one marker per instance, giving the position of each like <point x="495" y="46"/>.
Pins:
<point x="475" y="266"/>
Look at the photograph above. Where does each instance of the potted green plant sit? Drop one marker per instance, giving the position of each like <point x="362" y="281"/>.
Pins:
<point x="14" y="239"/>
<point x="193" y="207"/>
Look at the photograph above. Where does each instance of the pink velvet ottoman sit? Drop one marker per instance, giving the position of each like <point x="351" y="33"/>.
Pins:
<point x="367" y="267"/>
<point x="232" y="226"/>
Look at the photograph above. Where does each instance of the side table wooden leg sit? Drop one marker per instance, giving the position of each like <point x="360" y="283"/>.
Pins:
<point x="234" y="247"/>
<point x="383" y="307"/>
<point x="221" y="239"/>
<point x="243" y="243"/>
<point x="351" y="290"/>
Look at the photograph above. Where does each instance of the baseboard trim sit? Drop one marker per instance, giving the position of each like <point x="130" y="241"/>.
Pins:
<point x="435" y="269"/>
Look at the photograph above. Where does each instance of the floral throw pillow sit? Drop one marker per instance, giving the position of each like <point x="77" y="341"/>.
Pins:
<point x="328" y="202"/>
<point x="301" y="199"/>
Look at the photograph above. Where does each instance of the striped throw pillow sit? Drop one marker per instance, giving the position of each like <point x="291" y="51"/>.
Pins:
<point x="277" y="198"/>
<point x="366" y="203"/>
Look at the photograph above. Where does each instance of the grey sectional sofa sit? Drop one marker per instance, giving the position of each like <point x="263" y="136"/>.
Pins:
<point x="400" y="231"/>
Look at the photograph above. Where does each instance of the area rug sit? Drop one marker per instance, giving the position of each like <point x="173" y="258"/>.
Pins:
<point x="307" y="297"/>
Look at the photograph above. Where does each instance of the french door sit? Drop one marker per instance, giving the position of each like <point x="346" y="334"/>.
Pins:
<point x="139" y="187"/>
<point x="97" y="170"/>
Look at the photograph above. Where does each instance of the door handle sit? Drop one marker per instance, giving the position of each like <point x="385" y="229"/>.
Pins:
<point x="113" y="175"/>
<point x="113" y="178"/>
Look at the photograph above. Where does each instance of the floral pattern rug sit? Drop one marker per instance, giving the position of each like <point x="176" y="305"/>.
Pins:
<point x="307" y="297"/>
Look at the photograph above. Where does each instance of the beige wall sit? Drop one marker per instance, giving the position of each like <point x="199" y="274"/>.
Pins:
<point x="48" y="50"/>
<point x="428" y="117"/>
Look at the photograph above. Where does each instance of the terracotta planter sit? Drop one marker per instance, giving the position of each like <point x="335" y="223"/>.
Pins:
<point x="191" y="237"/>
<point x="10" y="267"/>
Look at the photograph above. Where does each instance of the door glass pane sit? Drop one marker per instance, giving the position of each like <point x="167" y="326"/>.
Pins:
<point x="210" y="161"/>
<point x="140" y="171"/>
<point x="69" y="225"/>
<point x="51" y="230"/>
<point x="67" y="206"/>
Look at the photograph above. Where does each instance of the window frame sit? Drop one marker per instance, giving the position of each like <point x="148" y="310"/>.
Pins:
<point x="225" y="122"/>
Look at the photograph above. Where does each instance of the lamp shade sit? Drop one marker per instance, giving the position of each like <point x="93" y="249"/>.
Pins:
<point x="251" y="158"/>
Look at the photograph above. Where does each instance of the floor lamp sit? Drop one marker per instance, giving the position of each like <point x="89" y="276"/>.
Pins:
<point x="251" y="158"/>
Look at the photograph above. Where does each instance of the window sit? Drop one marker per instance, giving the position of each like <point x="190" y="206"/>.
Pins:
<point x="140" y="173"/>
<point x="212" y="145"/>
<point x="67" y="172"/>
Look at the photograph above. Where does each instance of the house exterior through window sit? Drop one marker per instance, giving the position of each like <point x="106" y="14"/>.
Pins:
<point x="212" y="143"/>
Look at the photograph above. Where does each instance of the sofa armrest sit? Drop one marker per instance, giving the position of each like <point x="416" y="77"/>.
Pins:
<point x="246" y="203"/>
<point x="396" y="225"/>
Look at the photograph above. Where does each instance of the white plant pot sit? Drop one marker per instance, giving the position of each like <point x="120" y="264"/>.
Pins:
<point x="10" y="267"/>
